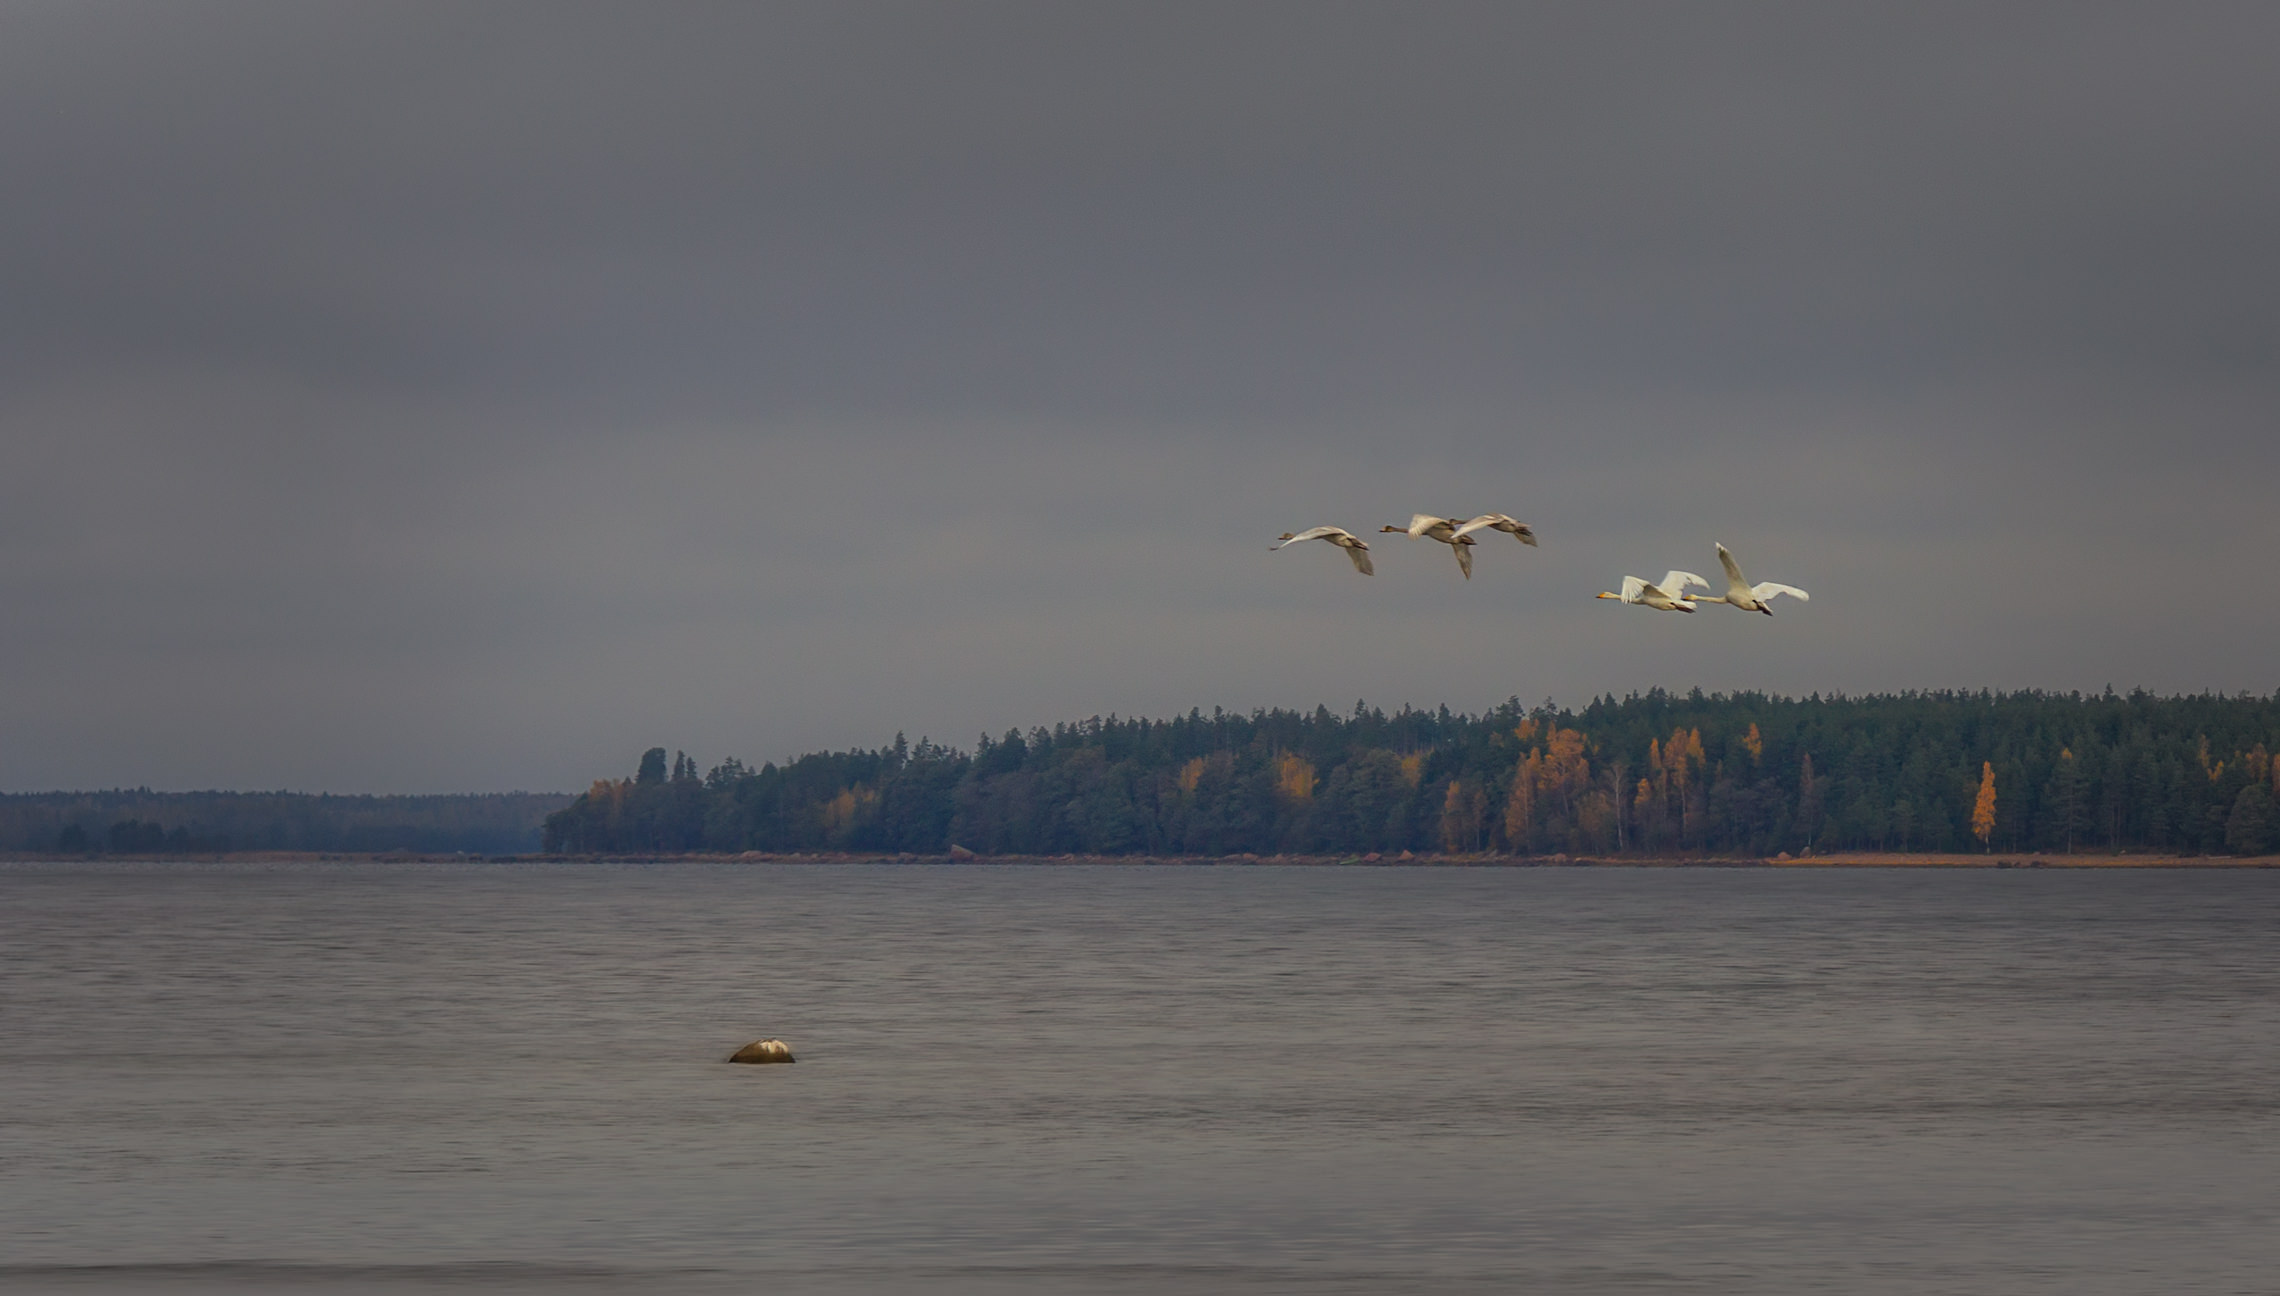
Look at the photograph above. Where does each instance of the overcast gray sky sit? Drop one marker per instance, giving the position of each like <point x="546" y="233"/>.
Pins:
<point x="401" y="397"/>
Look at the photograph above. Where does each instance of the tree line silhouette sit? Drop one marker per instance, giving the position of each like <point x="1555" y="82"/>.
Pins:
<point x="140" y="822"/>
<point x="1659" y="774"/>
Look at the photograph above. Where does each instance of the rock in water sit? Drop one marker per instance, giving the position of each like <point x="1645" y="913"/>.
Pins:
<point x="767" y="1050"/>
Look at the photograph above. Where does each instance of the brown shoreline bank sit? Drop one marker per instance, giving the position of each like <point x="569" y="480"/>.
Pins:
<point x="1404" y="859"/>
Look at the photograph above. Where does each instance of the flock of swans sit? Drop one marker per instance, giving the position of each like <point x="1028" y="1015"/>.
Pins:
<point x="1456" y="534"/>
<point x="1667" y="595"/>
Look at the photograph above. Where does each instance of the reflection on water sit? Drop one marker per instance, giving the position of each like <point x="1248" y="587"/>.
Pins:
<point x="1097" y="1079"/>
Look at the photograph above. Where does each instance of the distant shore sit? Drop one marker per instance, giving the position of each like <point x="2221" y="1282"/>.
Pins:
<point x="1404" y="859"/>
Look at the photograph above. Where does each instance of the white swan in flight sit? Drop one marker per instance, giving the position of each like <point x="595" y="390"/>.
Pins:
<point x="1666" y="595"/>
<point x="1740" y="593"/>
<point x="1510" y="526"/>
<point x="1441" y="529"/>
<point x="1338" y="536"/>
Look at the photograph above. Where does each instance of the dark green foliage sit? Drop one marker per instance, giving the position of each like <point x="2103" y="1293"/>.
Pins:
<point x="141" y="837"/>
<point x="1662" y="774"/>
<point x="2248" y="830"/>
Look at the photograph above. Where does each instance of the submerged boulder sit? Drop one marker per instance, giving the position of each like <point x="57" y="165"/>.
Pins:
<point x="767" y="1050"/>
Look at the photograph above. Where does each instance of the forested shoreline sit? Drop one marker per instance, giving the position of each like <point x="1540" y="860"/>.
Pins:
<point x="140" y="822"/>
<point x="1653" y="775"/>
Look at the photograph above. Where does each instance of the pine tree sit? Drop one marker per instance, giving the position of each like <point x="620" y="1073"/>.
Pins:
<point x="2064" y="798"/>
<point x="1808" y="803"/>
<point x="2248" y="829"/>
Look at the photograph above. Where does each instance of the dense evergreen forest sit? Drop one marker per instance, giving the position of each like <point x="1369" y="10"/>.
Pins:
<point x="1661" y="775"/>
<point x="141" y="822"/>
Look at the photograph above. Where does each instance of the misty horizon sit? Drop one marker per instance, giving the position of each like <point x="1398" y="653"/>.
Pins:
<point x="627" y="761"/>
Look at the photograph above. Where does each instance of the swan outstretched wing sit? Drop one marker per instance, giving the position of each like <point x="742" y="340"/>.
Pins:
<point x="1736" y="583"/>
<point x="1764" y="590"/>
<point x="1420" y="523"/>
<point x="1634" y="589"/>
<point x="1464" y="558"/>
<point x="1504" y="522"/>
<point x="1675" y="583"/>
<point x="1310" y="533"/>
<point x="1338" y="536"/>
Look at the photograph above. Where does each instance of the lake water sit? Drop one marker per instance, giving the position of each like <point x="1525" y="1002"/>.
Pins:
<point x="388" y="1077"/>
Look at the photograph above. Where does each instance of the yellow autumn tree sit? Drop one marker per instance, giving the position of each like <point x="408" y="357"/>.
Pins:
<point x="1294" y="778"/>
<point x="1460" y="818"/>
<point x="1191" y="774"/>
<point x="1412" y="769"/>
<point x="1547" y="781"/>
<point x="1690" y="810"/>
<point x="1682" y="752"/>
<point x="1520" y="807"/>
<point x="1566" y="770"/>
<point x="842" y="812"/>
<point x="1983" y="811"/>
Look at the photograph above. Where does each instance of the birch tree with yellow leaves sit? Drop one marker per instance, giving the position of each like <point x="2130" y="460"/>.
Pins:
<point x="1983" y="810"/>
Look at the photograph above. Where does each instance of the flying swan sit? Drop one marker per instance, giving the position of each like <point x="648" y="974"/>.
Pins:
<point x="1668" y="595"/>
<point x="1740" y="593"/>
<point x="1338" y="536"/>
<point x="1441" y="529"/>
<point x="1510" y="526"/>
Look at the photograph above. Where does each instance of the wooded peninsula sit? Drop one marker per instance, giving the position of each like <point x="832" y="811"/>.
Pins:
<point x="1658" y="775"/>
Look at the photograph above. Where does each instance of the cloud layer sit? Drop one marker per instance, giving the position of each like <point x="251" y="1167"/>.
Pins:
<point x="400" y="397"/>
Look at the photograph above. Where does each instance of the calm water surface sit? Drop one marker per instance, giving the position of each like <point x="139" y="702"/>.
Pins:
<point x="1137" y="1080"/>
